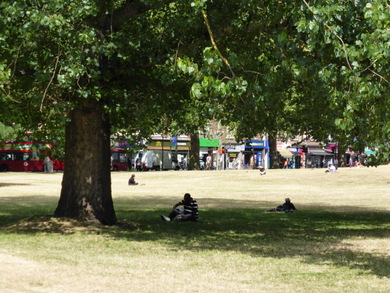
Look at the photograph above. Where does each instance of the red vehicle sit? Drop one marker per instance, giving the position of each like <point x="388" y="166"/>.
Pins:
<point x="27" y="156"/>
<point x="118" y="160"/>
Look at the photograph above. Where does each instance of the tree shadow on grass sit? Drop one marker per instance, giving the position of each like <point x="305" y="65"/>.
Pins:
<point x="6" y="184"/>
<point x="316" y="237"/>
<point x="17" y="209"/>
<point x="311" y="234"/>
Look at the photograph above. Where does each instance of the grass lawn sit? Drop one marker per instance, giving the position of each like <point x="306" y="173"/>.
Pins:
<point x="337" y="241"/>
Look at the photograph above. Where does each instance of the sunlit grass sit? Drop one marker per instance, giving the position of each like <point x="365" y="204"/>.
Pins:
<point x="338" y="241"/>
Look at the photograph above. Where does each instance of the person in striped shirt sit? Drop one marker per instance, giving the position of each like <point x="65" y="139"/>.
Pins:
<point x="189" y="212"/>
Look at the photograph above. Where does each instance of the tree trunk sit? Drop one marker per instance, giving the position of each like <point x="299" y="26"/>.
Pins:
<point x="86" y="184"/>
<point x="274" y="164"/>
<point x="342" y="147"/>
<point x="194" y="153"/>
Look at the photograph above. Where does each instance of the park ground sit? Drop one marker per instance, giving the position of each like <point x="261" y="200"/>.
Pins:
<point x="337" y="241"/>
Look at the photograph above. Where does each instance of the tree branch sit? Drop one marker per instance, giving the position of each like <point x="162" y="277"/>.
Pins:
<point x="337" y="36"/>
<point x="50" y="82"/>
<point x="380" y="76"/>
<point x="204" y="14"/>
<point x="8" y="95"/>
<point x="345" y="50"/>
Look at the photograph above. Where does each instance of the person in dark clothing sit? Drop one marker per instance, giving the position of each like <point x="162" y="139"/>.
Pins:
<point x="132" y="180"/>
<point x="288" y="206"/>
<point x="188" y="213"/>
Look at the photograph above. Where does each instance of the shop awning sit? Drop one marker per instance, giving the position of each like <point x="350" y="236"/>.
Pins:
<point x="286" y="154"/>
<point x="319" y="153"/>
<point x="167" y="145"/>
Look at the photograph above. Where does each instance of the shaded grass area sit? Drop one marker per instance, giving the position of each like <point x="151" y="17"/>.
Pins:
<point x="312" y="236"/>
<point x="14" y="209"/>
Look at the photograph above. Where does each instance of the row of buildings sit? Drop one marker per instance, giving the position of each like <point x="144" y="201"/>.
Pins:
<point x="173" y="152"/>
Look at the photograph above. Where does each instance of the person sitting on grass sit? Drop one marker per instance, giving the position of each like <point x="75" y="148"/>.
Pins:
<point x="188" y="213"/>
<point x="262" y="170"/>
<point x="287" y="207"/>
<point x="331" y="169"/>
<point x="132" y="180"/>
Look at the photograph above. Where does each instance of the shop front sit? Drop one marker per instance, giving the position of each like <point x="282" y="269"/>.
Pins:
<point x="318" y="158"/>
<point x="255" y="154"/>
<point x="208" y="153"/>
<point x="172" y="149"/>
<point x="233" y="156"/>
<point x="286" y="159"/>
<point x="298" y="157"/>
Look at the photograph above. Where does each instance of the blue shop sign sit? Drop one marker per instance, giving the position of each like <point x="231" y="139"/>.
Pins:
<point x="256" y="144"/>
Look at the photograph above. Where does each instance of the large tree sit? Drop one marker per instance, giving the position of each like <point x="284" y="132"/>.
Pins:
<point x="350" y="41"/>
<point x="317" y="68"/>
<point x="146" y="66"/>
<point x="94" y="67"/>
<point x="88" y="66"/>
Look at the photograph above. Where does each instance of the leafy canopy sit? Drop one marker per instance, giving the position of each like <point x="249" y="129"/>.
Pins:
<point x="313" y="67"/>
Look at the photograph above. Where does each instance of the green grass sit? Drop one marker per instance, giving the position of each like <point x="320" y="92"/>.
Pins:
<point x="338" y="240"/>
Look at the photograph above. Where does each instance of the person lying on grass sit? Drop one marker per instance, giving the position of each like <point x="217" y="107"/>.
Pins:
<point x="288" y="206"/>
<point x="188" y="213"/>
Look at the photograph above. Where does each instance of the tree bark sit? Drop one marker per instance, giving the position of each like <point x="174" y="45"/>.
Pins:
<point x="341" y="157"/>
<point x="194" y="153"/>
<point x="274" y="164"/>
<point x="86" y="184"/>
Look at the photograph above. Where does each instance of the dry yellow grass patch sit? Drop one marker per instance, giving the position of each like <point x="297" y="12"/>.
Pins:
<point x="39" y="253"/>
